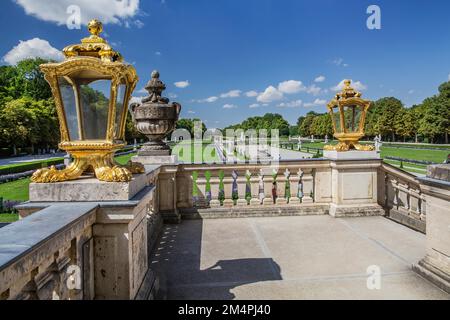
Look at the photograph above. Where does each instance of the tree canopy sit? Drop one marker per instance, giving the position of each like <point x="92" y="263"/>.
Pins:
<point x="269" y="121"/>
<point x="388" y="117"/>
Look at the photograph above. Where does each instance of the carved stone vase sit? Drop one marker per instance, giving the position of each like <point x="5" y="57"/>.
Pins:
<point x="155" y="117"/>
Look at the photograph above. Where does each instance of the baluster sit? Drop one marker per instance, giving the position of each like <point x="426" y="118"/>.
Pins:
<point x="282" y="183"/>
<point x="301" y="195"/>
<point x="268" y="185"/>
<point x="395" y="201"/>
<point x="242" y="190"/>
<point x="201" y="189"/>
<point x="307" y="186"/>
<point x="255" y="183"/>
<point x="214" y="183"/>
<point x="228" y="190"/>
<point x="294" y="182"/>
<point x="423" y="208"/>
<point x="195" y="191"/>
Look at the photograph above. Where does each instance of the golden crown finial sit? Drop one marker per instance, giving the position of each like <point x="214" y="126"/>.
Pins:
<point x="93" y="46"/>
<point x="95" y="27"/>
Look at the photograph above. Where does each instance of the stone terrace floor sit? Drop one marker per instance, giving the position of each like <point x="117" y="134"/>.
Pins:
<point x="306" y="257"/>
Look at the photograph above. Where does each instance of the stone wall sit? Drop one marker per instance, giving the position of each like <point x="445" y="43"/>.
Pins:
<point x="82" y="250"/>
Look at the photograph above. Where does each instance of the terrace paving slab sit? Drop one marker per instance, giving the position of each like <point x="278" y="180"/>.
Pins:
<point x="300" y="257"/>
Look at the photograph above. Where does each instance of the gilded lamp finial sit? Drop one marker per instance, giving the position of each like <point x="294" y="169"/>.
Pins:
<point x="95" y="27"/>
<point x="93" y="46"/>
<point x="348" y="91"/>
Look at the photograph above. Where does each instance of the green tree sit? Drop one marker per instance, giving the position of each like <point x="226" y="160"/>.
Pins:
<point x="304" y="128"/>
<point x="188" y="124"/>
<point x="384" y="115"/>
<point x="17" y="123"/>
<point x="293" y="131"/>
<point x="31" y="79"/>
<point x="404" y="124"/>
<point x="270" y="121"/>
<point x="435" y="120"/>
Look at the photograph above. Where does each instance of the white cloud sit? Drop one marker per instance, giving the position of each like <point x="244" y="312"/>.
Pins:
<point x="410" y="91"/>
<point x="320" y="79"/>
<point x="254" y="105"/>
<point x="135" y="100"/>
<point x="231" y="94"/>
<point x="291" y="86"/>
<point x="157" y="53"/>
<point x="339" y="62"/>
<point x="182" y="84"/>
<point x="33" y="48"/>
<point x="172" y="96"/>
<point x="269" y="95"/>
<point x="209" y="100"/>
<point x="229" y="106"/>
<point x="356" y="85"/>
<point x="316" y="103"/>
<point x="139" y="24"/>
<point x="253" y="93"/>
<point x="291" y="104"/>
<point x="107" y="11"/>
<point x="191" y="112"/>
<point x="314" y="90"/>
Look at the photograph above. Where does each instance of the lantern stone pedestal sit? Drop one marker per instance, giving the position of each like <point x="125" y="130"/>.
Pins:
<point x="87" y="188"/>
<point x="125" y="229"/>
<point x="354" y="188"/>
<point x="154" y="160"/>
<point x="350" y="155"/>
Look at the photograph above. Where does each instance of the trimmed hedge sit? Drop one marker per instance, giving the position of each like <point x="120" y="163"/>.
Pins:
<point x="424" y="162"/>
<point x="30" y="166"/>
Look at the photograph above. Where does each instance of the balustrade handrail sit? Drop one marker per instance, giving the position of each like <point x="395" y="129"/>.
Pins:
<point x="408" y="177"/>
<point x="25" y="244"/>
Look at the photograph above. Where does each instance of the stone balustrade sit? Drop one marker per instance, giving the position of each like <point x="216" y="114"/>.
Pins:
<point x="287" y="187"/>
<point x="401" y="196"/>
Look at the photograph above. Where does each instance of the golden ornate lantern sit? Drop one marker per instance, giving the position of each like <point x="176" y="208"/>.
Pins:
<point x="91" y="88"/>
<point x="348" y="113"/>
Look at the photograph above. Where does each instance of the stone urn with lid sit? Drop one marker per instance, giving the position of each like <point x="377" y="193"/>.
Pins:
<point x="155" y="117"/>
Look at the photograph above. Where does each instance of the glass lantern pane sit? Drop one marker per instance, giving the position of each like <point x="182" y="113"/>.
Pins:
<point x="120" y="105"/>
<point x="352" y="115"/>
<point x="94" y="99"/>
<point x="70" y="107"/>
<point x="337" y="119"/>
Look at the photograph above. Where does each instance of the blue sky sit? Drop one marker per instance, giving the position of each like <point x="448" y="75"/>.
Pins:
<point x="288" y="54"/>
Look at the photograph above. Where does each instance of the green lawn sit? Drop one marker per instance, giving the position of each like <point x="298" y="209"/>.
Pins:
<point x="428" y="155"/>
<point x="123" y="160"/>
<point x="196" y="153"/>
<point x="8" y="217"/>
<point x="437" y="156"/>
<point x="15" y="190"/>
<point x="26" y="163"/>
